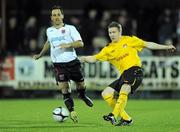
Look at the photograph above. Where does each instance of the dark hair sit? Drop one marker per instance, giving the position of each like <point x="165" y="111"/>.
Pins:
<point x="57" y="7"/>
<point x="115" y="24"/>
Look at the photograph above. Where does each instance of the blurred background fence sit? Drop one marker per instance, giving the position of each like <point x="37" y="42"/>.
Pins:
<point x="23" y="25"/>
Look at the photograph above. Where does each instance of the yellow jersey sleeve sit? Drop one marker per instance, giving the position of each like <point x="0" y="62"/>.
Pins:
<point x="102" y="55"/>
<point x="137" y="43"/>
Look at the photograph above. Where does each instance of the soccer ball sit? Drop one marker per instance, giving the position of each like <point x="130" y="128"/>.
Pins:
<point x="60" y="114"/>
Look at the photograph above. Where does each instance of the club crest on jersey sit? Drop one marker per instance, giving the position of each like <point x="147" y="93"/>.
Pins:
<point x="124" y="45"/>
<point x="63" y="31"/>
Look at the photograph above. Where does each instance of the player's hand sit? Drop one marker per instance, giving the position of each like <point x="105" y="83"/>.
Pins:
<point x="36" y="57"/>
<point x="171" y="48"/>
<point x="64" y="46"/>
<point x="82" y="59"/>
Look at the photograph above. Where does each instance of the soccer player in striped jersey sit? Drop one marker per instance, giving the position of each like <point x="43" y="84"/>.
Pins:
<point x="62" y="39"/>
<point x="122" y="52"/>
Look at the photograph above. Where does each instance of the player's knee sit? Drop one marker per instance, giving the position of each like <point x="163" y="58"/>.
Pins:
<point x="126" y="88"/>
<point x="103" y="93"/>
<point x="64" y="87"/>
<point x="107" y="91"/>
<point x="63" y="84"/>
<point x="80" y="85"/>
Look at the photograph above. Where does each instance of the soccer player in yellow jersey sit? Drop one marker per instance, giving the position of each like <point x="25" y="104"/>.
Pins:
<point x="122" y="52"/>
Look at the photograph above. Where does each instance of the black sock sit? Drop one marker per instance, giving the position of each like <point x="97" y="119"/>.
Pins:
<point x="81" y="93"/>
<point x="68" y="101"/>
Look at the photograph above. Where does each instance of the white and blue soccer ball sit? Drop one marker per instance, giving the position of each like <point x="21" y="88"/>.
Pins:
<point x="60" y="114"/>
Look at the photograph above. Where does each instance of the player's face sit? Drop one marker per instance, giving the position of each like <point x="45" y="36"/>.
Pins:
<point x="114" y="34"/>
<point x="57" y="17"/>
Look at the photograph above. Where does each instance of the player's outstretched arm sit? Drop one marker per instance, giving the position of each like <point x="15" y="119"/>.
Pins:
<point x="88" y="59"/>
<point x="155" y="46"/>
<point x="43" y="51"/>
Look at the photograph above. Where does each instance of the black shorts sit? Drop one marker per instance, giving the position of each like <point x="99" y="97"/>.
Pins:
<point x="68" y="71"/>
<point x="132" y="76"/>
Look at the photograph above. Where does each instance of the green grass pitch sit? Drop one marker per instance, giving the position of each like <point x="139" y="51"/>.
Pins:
<point x="35" y="115"/>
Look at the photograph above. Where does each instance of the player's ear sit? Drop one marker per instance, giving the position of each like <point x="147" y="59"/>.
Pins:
<point x="62" y="16"/>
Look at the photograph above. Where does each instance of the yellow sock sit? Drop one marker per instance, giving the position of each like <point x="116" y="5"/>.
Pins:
<point x="120" y="105"/>
<point x="124" y="115"/>
<point x="110" y="100"/>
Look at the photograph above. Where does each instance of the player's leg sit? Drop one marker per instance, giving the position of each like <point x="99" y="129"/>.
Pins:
<point x="75" y="74"/>
<point x="62" y="79"/>
<point x="121" y="103"/>
<point x="68" y="100"/>
<point x="110" y="96"/>
<point x="124" y="115"/>
<point x="132" y="80"/>
<point x="81" y="89"/>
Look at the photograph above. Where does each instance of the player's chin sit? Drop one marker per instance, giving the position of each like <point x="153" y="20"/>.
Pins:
<point x="112" y="39"/>
<point x="57" y="22"/>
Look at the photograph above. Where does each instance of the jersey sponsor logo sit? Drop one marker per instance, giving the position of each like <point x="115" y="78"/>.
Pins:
<point x="122" y="57"/>
<point x="60" y="38"/>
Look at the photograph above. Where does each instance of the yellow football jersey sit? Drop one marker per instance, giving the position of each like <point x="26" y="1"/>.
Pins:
<point x="123" y="54"/>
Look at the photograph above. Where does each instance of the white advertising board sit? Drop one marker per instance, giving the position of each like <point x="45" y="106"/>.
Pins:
<point x="160" y="73"/>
